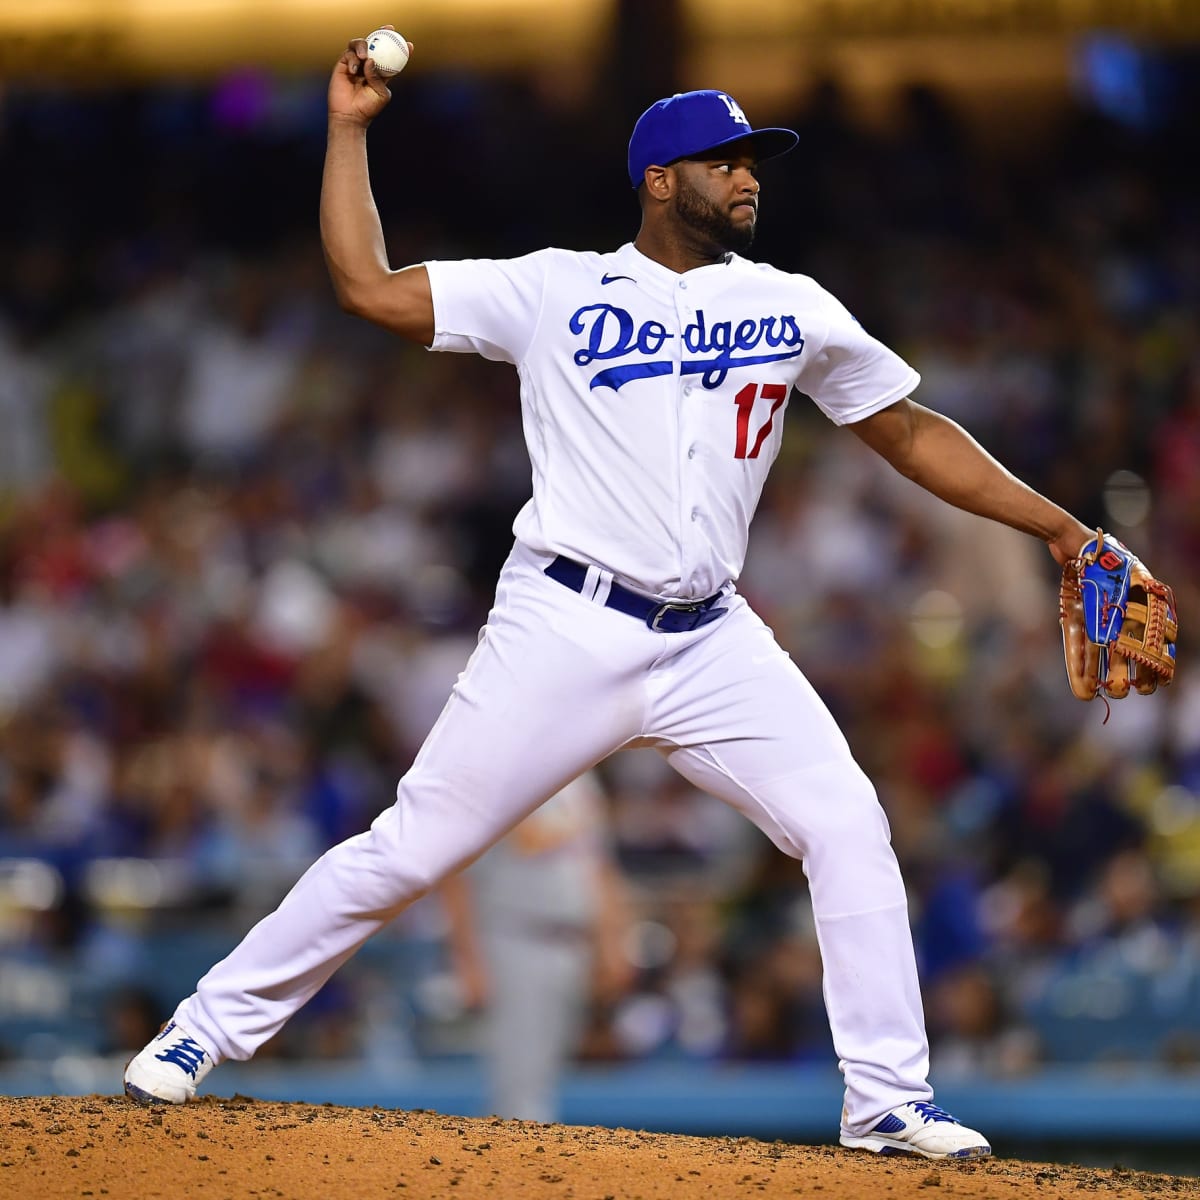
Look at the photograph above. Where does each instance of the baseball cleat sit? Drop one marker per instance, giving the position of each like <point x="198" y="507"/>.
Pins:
<point x="920" y="1128"/>
<point x="168" y="1069"/>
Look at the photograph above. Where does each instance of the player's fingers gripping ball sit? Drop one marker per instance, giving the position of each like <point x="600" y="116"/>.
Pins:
<point x="1119" y="623"/>
<point x="388" y="50"/>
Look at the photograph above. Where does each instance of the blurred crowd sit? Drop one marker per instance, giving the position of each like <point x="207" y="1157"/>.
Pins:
<point x="246" y="542"/>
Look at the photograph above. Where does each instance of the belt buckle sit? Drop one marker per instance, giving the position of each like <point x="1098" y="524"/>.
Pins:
<point x="655" y="618"/>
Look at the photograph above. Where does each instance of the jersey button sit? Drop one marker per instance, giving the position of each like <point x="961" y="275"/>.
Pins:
<point x="695" y="514"/>
<point x="683" y="284"/>
<point x="687" y="391"/>
<point x="691" y="452"/>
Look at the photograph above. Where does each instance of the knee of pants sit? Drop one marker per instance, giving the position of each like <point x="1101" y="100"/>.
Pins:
<point x="827" y="808"/>
<point x="432" y="830"/>
<point x="384" y="869"/>
<point x="853" y="813"/>
<point x="842" y="833"/>
<point x="365" y="876"/>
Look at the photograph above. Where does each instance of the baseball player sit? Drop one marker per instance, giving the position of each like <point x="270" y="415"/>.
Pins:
<point x="654" y="381"/>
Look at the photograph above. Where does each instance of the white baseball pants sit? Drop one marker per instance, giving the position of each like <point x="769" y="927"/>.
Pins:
<point x="557" y="683"/>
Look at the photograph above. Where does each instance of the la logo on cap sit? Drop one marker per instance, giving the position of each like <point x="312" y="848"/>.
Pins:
<point x="735" y="109"/>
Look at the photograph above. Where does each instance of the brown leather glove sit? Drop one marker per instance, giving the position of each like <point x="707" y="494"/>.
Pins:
<point x="1118" y="621"/>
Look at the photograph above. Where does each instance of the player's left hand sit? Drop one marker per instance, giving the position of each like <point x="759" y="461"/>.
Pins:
<point x="1119" y="623"/>
<point x="1065" y="545"/>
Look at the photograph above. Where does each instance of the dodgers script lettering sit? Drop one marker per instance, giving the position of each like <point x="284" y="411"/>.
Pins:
<point x="611" y="333"/>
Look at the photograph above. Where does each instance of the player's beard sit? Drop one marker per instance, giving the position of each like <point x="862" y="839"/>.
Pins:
<point x="711" y="221"/>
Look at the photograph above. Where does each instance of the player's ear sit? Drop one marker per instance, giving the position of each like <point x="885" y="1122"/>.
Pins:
<point x="659" y="182"/>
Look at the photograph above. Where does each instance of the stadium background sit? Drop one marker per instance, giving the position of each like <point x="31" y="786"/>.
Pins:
<point x="243" y="536"/>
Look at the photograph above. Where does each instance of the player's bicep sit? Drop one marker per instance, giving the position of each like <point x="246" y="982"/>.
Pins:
<point x="402" y="302"/>
<point x="891" y="431"/>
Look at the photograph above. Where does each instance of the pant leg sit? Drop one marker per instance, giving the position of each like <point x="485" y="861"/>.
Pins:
<point x="749" y="728"/>
<point x="554" y="686"/>
<point x="539" y="984"/>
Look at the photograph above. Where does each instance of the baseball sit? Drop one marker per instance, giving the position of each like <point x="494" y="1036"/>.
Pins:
<point x="388" y="50"/>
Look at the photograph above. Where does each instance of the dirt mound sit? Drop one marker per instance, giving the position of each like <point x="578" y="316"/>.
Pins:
<point x="57" y="1146"/>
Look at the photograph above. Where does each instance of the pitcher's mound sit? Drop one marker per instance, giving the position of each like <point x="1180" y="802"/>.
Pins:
<point x="236" y="1149"/>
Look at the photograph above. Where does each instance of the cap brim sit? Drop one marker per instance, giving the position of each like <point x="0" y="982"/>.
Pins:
<point x="767" y="143"/>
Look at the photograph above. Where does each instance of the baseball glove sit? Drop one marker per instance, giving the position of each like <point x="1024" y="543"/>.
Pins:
<point x="1118" y="622"/>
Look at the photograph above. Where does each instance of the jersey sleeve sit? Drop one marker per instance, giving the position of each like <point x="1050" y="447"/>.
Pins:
<point x="487" y="306"/>
<point x="853" y="374"/>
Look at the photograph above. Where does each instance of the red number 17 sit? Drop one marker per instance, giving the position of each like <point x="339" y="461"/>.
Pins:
<point x="777" y="394"/>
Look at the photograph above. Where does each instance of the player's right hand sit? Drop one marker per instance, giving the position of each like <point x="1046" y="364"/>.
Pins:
<point x="356" y="89"/>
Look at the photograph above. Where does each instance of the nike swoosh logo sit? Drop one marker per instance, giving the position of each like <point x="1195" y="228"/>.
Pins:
<point x="607" y="278"/>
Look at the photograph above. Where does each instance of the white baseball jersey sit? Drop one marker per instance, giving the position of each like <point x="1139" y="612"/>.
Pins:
<point x="653" y="402"/>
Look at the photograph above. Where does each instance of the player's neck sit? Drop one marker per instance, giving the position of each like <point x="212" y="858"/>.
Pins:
<point x="675" y="252"/>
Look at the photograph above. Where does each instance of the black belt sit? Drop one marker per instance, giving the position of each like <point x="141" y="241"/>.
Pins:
<point x="670" y="616"/>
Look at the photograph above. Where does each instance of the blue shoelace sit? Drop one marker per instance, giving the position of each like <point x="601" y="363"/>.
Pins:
<point x="184" y="1054"/>
<point x="931" y="1112"/>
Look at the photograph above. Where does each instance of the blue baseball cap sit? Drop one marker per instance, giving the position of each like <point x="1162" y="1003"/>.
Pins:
<point x="691" y="122"/>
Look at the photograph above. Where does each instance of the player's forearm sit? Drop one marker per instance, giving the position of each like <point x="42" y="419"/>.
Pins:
<point x="351" y="233"/>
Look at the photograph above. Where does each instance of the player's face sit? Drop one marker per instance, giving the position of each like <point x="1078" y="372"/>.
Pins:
<point x="717" y="198"/>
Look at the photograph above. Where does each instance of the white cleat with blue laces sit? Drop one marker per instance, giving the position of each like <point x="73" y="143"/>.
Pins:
<point x="920" y="1128"/>
<point x="168" y="1069"/>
